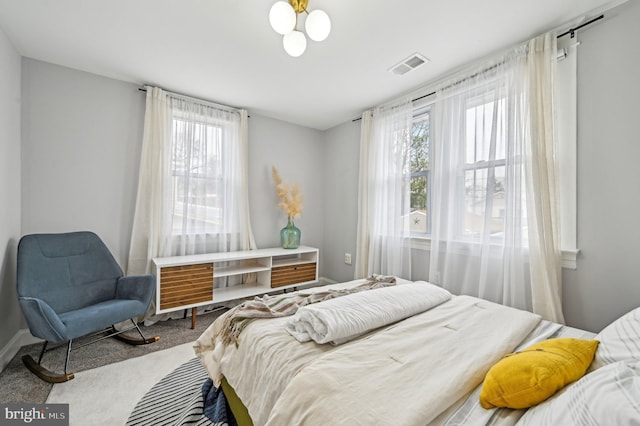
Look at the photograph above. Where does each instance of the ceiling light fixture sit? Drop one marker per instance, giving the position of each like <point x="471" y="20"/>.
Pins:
<point x="283" y="17"/>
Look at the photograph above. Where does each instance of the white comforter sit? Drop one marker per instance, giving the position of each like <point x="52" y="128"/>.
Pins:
<point x="405" y="373"/>
<point x="342" y="319"/>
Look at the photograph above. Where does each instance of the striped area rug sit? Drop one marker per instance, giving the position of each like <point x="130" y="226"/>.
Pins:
<point x="174" y="400"/>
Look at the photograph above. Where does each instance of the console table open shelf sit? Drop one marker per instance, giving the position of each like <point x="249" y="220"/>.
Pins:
<point x="184" y="282"/>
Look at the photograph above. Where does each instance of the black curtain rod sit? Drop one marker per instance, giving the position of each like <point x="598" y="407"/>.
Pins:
<point x="571" y="31"/>
<point x="211" y="104"/>
<point x="412" y="100"/>
<point x="421" y="97"/>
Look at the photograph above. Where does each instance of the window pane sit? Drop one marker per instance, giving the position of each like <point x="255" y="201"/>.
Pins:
<point x="420" y="144"/>
<point x="419" y="193"/>
<point x="198" y="184"/>
<point x="418" y="217"/>
<point x="484" y="193"/>
<point x="418" y="173"/>
<point x="480" y="121"/>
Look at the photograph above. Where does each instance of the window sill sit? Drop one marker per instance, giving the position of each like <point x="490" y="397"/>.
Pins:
<point x="569" y="257"/>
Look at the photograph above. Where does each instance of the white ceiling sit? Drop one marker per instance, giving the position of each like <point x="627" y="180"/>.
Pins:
<point x="225" y="50"/>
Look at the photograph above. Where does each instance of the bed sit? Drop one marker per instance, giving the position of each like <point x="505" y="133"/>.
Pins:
<point x="425" y="367"/>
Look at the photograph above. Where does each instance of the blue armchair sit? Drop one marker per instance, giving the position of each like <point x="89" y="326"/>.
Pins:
<point x="69" y="285"/>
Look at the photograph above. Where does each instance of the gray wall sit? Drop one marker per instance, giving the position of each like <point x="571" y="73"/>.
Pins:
<point x="297" y="152"/>
<point x="606" y="283"/>
<point x="342" y="153"/>
<point x="81" y="139"/>
<point x="10" y="68"/>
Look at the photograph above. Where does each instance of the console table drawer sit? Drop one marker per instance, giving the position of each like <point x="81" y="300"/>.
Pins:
<point x="185" y="285"/>
<point x="292" y="274"/>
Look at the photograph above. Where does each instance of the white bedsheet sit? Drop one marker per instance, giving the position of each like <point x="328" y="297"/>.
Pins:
<point x="342" y="319"/>
<point x="405" y="373"/>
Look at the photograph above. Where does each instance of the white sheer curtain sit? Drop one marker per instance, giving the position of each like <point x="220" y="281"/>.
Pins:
<point x="543" y="210"/>
<point x="495" y="224"/>
<point x="192" y="186"/>
<point x="151" y="217"/>
<point x="383" y="241"/>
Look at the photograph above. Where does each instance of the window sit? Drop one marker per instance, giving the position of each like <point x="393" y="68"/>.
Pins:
<point x="419" y="173"/>
<point x="192" y="187"/>
<point x="483" y="169"/>
<point x="197" y="176"/>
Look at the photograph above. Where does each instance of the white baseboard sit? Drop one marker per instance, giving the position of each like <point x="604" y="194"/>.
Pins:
<point x="22" y="338"/>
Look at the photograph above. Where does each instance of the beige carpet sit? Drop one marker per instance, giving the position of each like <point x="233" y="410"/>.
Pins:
<point x="107" y="395"/>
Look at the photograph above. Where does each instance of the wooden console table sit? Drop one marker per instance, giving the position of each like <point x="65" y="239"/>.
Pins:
<point x="184" y="282"/>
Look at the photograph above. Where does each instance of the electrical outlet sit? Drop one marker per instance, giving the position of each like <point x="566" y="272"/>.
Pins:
<point x="347" y="258"/>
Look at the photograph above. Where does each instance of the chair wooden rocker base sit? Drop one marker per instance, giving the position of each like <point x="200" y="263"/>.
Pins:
<point x="43" y="373"/>
<point x="53" y="377"/>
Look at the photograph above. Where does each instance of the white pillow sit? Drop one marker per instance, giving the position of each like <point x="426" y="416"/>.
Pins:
<point x="619" y="341"/>
<point x="608" y="396"/>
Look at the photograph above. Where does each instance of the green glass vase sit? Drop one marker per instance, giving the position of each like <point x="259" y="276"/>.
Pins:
<point x="290" y="235"/>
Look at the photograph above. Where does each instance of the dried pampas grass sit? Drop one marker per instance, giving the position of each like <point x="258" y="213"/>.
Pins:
<point x="290" y="196"/>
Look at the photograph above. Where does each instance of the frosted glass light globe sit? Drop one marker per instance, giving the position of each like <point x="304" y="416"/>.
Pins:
<point x="318" y="25"/>
<point x="294" y="43"/>
<point x="282" y="17"/>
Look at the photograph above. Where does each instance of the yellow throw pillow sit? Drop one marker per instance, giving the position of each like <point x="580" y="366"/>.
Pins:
<point x="528" y="377"/>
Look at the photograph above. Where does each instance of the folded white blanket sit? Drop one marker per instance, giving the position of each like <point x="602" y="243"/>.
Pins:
<point x="339" y="320"/>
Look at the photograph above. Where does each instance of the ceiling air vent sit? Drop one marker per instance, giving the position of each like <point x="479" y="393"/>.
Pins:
<point x="411" y="63"/>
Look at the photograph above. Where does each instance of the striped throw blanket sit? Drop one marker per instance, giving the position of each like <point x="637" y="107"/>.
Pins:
<point x="284" y="305"/>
